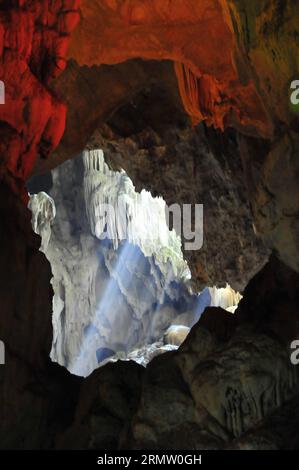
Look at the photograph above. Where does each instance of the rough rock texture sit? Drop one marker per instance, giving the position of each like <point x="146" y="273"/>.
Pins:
<point x="272" y="175"/>
<point x="239" y="75"/>
<point x="229" y="383"/>
<point x="36" y="396"/>
<point x="217" y="397"/>
<point x="98" y="92"/>
<point x="242" y="79"/>
<point x="112" y="299"/>
<point x="107" y="296"/>
<point x="278" y="431"/>
<point x="107" y="402"/>
<point x="34" y="36"/>
<point x="266" y="35"/>
<point x="213" y="87"/>
<point x="189" y="166"/>
<point x="43" y="211"/>
<point x="118" y="213"/>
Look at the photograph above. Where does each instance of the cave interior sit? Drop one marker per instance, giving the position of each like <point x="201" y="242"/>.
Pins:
<point x="116" y="330"/>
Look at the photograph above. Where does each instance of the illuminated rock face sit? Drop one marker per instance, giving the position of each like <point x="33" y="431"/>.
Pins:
<point x="110" y="298"/>
<point x="114" y="298"/>
<point x="43" y="211"/>
<point x="113" y="207"/>
<point x="197" y="36"/>
<point x="176" y="334"/>
<point x="184" y="166"/>
<point x="230" y="385"/>
<point x="227" y="56"/>
<point x="225" y="298"/>
<point x="34" y="37"/>
<point x="233" y="68"/>
<point x="234" y="60"/>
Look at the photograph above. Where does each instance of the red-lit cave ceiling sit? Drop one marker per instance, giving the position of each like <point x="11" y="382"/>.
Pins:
<point x="233" y="67"/>
<point x="197" y="36"/>
<point x="232" y="62"/>
<point x="225" y="54"/>
<point x="34" y="37"/>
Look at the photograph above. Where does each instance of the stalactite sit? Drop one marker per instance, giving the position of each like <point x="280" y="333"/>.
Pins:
<point x="201" y="97"/>
<point x="121" y="299"/>
<point x="188" y="86"/>
<point x="137" y="217"/>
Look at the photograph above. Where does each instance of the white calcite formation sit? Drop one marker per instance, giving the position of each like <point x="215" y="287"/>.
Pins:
<point x="113" y="299"/>
<point x="176" y="334"/>
<point x="115" y="208"/>
<point x="225" y="297"/>
<point x="109" y="298"/>
<point x="43" y="211"/>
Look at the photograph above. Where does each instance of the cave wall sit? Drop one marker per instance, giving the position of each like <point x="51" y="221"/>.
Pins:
<point x="271" y="172"/>
<point x="236" y="76"/>
<point x="120" y="295"/>
<point x="241" y="82"/>
<point x="161" y="152"/>
<point x="231" y="383"/>
<point x="179" y="31"/>
<point x="34" y="37"/>
<point x="31" y="121"/>
<point x="243" y="78"/>
<point x="36" y="395"/>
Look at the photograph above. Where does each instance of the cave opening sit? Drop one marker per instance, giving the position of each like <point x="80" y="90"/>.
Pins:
<point x="179" y="102"/>
<point x="134" y="297"/>
<point x="115" y="297"/>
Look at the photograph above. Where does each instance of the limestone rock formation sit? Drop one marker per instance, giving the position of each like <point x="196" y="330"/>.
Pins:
<point x="189" y="166"/>
<point x="236" y="79"/>
<point x="241" y="80"/>
<point x="176" y="334"/>
<point x="228" y="400"/>
<point x="43" y="211"/>
<point x="231" y="383"/>
<point x="34" y="37"/>
<point x="225" y="297"/>
<point x="117" y="212"/>
<point x="219" y="90"/>
<point x="111" y="297"/>
<point x="275" y="195"/>
<point x="38" y="397"/>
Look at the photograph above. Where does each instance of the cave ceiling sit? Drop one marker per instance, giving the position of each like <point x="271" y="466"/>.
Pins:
<point x="192" y="99"/>
<point x="70" y="66"/>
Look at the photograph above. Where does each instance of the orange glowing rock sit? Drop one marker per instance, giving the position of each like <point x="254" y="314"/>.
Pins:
<point x="232" y="66"/>
<point x="33" y="42"/>
<point x="196" y="35"/>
